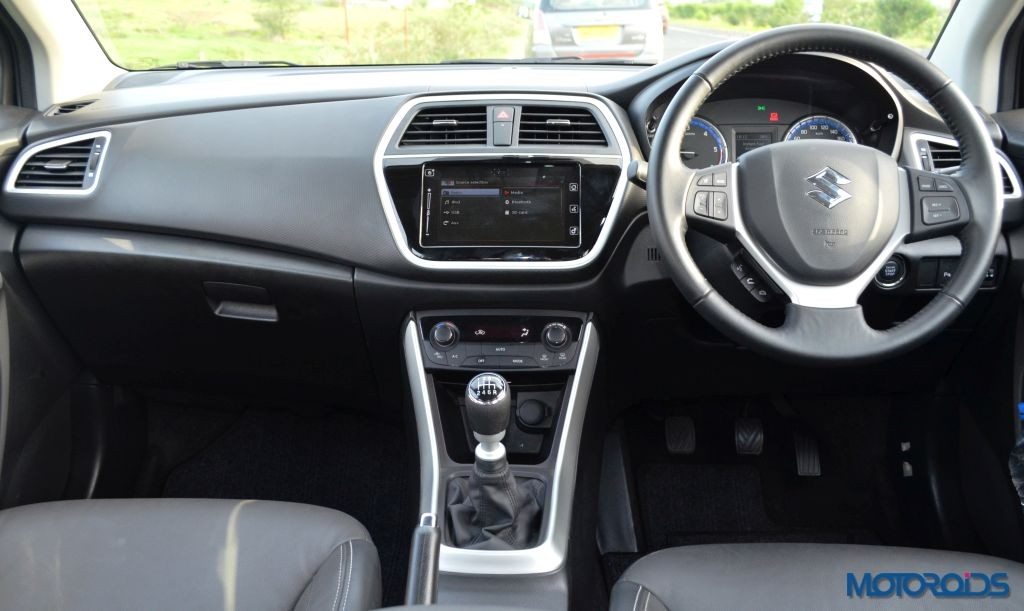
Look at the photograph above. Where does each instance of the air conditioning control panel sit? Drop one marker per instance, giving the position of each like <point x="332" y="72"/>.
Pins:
<point x="468" y="340"/>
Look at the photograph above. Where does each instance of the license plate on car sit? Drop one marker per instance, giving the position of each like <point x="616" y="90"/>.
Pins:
<point x="597" y="33"/>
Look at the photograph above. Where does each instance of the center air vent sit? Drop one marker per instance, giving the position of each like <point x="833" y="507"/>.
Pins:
<point x="560" y="125"/>
<point x="70" y="165"/>
<point x="447" y="125"/>
<point x="946" y="157"/>
<point x="68" y="107"/>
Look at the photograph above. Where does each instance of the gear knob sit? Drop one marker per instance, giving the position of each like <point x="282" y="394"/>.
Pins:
<point x="488" y="403"/>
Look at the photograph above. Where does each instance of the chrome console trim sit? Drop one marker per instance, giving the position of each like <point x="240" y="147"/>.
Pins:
<point x="549" y="555"/>
<point x="391" y="212"/>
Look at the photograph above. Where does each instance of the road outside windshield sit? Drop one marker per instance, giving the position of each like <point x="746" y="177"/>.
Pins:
<point x="144" y="34"/>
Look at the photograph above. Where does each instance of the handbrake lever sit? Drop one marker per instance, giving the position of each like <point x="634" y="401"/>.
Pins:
<point x="421" y="587"/>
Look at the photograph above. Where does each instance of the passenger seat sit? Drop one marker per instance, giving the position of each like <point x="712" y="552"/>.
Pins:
<point x="185" y="554"/>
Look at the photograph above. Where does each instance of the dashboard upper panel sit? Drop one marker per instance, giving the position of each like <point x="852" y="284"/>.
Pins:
<point x="296" y="178"/>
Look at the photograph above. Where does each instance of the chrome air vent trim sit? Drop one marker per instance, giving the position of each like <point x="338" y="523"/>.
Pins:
<point x="389" y="141"/>
<point x="31" y="151"/>
<point x="1006" y="168"/>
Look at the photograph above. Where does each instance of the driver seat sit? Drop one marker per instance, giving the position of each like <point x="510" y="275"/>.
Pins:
<point x="795" y="576"/>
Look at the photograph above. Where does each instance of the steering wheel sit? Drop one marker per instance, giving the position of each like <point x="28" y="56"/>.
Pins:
<point x="820" y="218"/>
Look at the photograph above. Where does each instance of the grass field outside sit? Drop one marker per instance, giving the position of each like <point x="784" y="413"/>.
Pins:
<point x="140" y="34"/>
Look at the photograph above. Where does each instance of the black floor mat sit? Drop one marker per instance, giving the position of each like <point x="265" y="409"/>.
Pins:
<point x="716" y="496"/>
<point x="345" y="461"/>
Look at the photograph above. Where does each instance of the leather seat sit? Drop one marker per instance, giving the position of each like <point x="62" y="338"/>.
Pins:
<point x="185" y="554"/>
<point x="796" y="576"/>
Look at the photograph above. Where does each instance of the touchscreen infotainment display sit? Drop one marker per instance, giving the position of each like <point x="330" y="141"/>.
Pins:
<point x="495" y="204"/>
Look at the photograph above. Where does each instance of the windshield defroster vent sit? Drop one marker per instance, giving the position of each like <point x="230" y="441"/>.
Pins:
<point x="447" y="125"/>
<point x="560" y="125"/>
<point x="68" y="107"/>
<point x="68" y="165"/>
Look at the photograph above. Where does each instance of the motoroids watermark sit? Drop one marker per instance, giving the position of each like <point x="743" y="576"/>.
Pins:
<point x="919" y="585"/>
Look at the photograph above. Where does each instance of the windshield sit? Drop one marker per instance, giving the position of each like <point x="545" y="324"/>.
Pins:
<point x="144" y="34"/>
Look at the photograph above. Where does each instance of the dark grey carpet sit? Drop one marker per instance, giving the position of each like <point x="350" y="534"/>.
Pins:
<point x="341" y="460"/>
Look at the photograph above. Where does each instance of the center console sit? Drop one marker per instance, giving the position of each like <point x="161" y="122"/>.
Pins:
<point x="493" y="389"/>
<point x="527" y="181"/>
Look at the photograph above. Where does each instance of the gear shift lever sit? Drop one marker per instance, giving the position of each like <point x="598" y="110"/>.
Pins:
<point x="492" y="509"/>
<point x="488" y="403"/>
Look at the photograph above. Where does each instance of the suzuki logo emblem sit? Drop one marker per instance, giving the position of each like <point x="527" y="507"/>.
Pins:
<point x="829" y="192"/>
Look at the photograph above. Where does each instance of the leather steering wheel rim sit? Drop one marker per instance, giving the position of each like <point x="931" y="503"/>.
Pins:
<point x="828" y="335"/>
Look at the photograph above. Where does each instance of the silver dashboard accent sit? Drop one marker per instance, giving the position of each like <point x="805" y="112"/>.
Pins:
<point x="832" y="296"/>
<point x="29" y="152"/>
<point x="391" y="211"/>
<point x="916" y="138"/>
<point x="549" y="554"/>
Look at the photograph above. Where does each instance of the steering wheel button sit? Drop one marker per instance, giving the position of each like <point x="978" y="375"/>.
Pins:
<point x="700" y="203"/>
<point x="925" y="183"/>
<point x="943" y="185"/>
<point x="719" y="206"/>
<point x="740" y="269"/>
<point x="720" y="179"/>
<point x="761" y="294"/>
<point x="704" y="181"/>
<point x="937" y="210"/>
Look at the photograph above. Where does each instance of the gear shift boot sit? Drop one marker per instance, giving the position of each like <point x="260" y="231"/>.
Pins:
<point x="492" y="509"/>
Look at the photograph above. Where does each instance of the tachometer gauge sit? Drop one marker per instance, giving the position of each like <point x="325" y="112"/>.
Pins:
<point x="821" y="127"/>
<point x="703" y="145"/>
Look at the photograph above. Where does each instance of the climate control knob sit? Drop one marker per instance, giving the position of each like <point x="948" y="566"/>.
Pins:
<point x="444" y="335"/>
<point x="556" y="336"/>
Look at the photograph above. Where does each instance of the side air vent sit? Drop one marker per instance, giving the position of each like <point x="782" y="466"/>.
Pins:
<point x="68" y="107"/>
<point x="69" y="166"/>
<point x="447" y="125"/>
<point x="560" y="125"/>
<point x="946" y="157"/>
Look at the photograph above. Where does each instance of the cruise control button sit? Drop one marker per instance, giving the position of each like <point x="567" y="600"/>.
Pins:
<point x="701" y="204"/>
<point x="943" y="185"/>
<point x="938" y="210"/>
<point x="720" y="179"/>
<point x="704" y="181"/>
<point x="719" y="206"/>
<point x="926" y="183"/>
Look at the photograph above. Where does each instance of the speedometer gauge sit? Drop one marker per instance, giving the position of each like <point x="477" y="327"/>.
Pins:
<point x="821" y="127"/>
<point x="703" y="145"/>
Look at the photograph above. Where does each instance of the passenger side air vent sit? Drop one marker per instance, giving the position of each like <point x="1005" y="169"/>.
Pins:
<point x="447" y="125"/>
<point x="560" y="125"/>
<point x="69" y="165"/>
<point x="68" y="107"/>
<point x="946" y="158"/>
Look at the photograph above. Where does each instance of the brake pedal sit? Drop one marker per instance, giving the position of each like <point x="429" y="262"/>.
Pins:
<point x="749" y="436"/>
<point x="808" y="461"/>
<point x="680" y="435"/>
